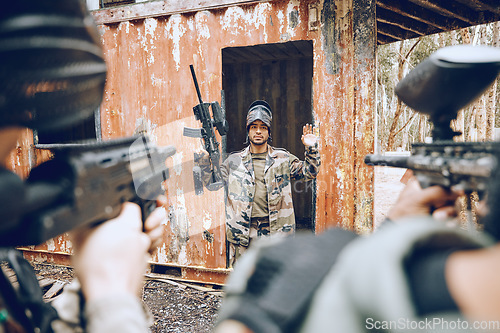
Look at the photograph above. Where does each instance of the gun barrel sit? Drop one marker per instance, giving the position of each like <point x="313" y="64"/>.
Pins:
<point x="196" y="83"/>
<point x="392" y="161"/>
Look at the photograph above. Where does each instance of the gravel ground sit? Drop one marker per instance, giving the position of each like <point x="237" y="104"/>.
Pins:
<point x="175" y="306"/>
<point x="181" y="310"/>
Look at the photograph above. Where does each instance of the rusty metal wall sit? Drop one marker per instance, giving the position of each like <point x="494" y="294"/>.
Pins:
<point x="150" y="83"/>
<point x="344" y="103"/>
<point x="149" y="87"/>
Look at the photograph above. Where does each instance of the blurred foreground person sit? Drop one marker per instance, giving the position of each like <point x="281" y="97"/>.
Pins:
<point x="52" y="75"/>
<point x="415" y="273"/>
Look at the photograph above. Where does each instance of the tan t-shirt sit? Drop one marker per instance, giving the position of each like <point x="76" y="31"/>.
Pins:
<point x="260" y="207"/>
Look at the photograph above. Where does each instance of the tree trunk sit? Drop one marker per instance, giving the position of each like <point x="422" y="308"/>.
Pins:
<point x="492" y="92"/>
<point x="422" y="127"/>
<point x="481" y="115"/>
<point x="470" y="112"/>
<point x="459" y="124"/>
<point x="399" y="107"/>
<point x="397" y="113"/>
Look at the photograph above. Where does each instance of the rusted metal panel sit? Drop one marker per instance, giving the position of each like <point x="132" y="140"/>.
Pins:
<point x="334" y="105"/>
<point x="23" y="158"/>
<point x="365" y="45"/>
<point x="344" y="92"/>
<point x="149" y="88"/>
<point x="46" y="256"/>
<point x="149" y="82"/>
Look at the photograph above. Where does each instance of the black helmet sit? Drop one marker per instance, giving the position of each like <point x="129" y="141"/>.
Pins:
<point x="52" y="69"/>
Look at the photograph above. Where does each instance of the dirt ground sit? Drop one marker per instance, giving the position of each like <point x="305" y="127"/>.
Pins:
<point x="175" y="306"/>
<point x="180" y="307"/>
<point x="386" y="191"/>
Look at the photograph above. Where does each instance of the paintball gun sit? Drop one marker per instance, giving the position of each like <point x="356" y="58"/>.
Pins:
<point x="207" y="133"/>
<point x="448" y="80"/>
<point x="83" y="184"/>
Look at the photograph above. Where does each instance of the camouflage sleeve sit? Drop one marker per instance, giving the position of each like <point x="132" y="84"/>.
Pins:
<point x="307" y="169"/>
<point x="202" y="161"/>
<point x="224" y="170"/>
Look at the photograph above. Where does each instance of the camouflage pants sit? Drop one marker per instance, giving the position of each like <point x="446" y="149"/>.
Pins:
<point x="259" y="227"/>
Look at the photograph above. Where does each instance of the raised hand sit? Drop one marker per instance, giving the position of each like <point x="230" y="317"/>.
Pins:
<point x="308" y="138"/>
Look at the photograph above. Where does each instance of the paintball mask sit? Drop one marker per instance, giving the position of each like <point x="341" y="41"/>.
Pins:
<point x="260" y="110"/>
<point x="52" y="71"/>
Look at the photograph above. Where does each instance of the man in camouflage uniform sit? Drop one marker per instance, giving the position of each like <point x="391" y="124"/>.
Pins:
<point x="258" y="180"/>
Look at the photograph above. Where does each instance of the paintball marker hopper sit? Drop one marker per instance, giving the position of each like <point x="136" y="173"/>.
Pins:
<point x="447" y="81"/>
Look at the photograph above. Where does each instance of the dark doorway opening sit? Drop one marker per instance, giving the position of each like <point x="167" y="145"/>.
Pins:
<point x="88" y="129"/>
<point x="280" y="74"/>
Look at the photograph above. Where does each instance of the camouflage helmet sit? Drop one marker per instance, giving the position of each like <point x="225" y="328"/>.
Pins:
<point x="259" y="110"/>
<point x="52" y="71"/>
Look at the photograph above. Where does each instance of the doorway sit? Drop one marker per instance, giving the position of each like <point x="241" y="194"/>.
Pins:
<point x="280" y="74"/>
<point x="88" y="129"/>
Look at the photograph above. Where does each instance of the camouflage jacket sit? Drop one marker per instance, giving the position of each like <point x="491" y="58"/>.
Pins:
<point x="281" y="167"/>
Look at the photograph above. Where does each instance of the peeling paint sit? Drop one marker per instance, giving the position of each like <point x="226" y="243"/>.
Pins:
<point x="281" y="18"/>
<point x="182" y="221"/>
<point x="231" y="19"/>
<point x="202" y="29"/>
<point x="207" y="221"/>
<point x="162" y="253"/>
<point x="51" y="245"/>
<point x="293" y="16"/>
<point x="183" y="256"/>
<point x="259" y="18"/>
<point x="340" y="177"/>
<point x="174" y="30"/>
<point x="177" y="166"/>
<point x="208" y="236"/>
<point x="156" y="81"/>
<point x="150" y="25"/>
